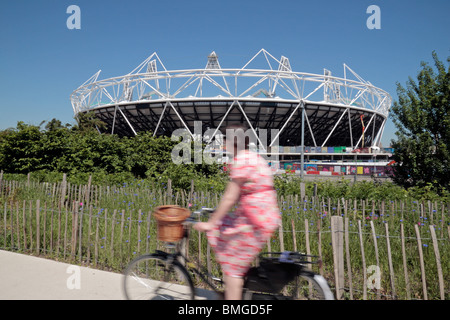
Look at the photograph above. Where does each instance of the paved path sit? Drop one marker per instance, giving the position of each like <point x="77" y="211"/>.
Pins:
<point x="24" y="277"/>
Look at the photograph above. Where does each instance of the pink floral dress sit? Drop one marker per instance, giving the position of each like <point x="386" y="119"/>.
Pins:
<point x="256" y="217"/>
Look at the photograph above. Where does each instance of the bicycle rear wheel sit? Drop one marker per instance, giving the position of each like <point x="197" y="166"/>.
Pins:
<point x="157" y="277"/>
<point x="308" y="286"/>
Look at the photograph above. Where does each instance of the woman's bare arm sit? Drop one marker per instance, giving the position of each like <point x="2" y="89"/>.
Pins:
<point x="229" y="199"/>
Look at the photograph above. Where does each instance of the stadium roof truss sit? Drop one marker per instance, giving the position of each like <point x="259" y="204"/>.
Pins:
<point x="346" y="111"/>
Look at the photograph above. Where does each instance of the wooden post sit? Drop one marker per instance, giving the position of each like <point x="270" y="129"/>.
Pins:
<point x="302" y="191"/>
<point x="347" y="254"/>
<point x="319" y="244"/>
<point x="139" y="232"/>
<point x="24" y="224"/>
<point x="373" y="207"/>
<point x="308" y="248"/>
<point x="96" y="240"/>
<point x="147" y="241"/>
<point x="45" y="227"/>
<point x="1" y="182"/>
<point x="11" y="227"/>
<point x="191" y="194"/>
<point x="38" y="227"/>
<point x="402" y="236"/>
<point x="105" y="234"/>
<point x="18" y="225"/>
<point x="337" y="240"/>
<point x="51" y="229"/>
<point x="88" y="192"/>
<point x="421" y="212"/>
<point x="89" y="236"/>
<point x="58" y="241"/>
<point x="63" y="190"/>
<point x="422" y="265"/>
<point x="280" y="233"/>
<point x="80" y="235"/>
<point x="391" y="267"/>
<point x="121" y="232"/>
<point x="4" y="223"/>
<point x="74" y="227"/>
<point x="430" y="211"/>
<point x="402" y="208"/>
<point x="169" y="191"/>
<point x="208" y="258"/>
<point x="363" y="261"/>
<point x="438" y="262"/>
<point x="199" y="248"/>
<point x="376" y="253"/>
<point x="30" y="225"/>
<point x="294" y="238"/>
<point x="65" y="230"/>
<point x="113" y="222"/>
<point x="344" y="204"/>
<point x="363" y="210"/>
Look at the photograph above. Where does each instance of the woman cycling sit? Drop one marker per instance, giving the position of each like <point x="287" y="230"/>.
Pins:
<point x="237" y="237"/>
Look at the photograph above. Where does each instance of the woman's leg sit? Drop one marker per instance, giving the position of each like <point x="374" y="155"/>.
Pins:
<point x="233" y="287"/>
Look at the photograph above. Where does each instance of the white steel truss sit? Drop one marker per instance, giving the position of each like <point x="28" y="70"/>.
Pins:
<point x="144" y="85"/>
<point x="151" y="82"/>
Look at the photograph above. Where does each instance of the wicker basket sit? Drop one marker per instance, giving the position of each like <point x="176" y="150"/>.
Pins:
<point x="170" y="219"/>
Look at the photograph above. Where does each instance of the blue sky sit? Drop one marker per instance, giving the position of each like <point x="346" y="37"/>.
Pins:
<point x="42" y="61"/>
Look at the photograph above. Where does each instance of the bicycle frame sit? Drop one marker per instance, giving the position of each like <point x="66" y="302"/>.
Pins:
<point x="205" y="276"/>
<point x="190" y="266"/>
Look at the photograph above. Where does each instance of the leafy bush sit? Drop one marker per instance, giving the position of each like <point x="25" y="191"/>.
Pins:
<point x="79" y="152"/>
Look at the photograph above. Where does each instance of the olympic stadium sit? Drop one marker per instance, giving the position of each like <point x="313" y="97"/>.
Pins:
<point x="336" y="119"/>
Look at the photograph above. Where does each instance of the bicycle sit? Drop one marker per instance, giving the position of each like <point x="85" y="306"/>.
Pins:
<point x="168" y="276"/>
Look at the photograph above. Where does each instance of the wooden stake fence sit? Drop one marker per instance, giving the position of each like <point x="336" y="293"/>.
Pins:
<point x="77" y="231"/>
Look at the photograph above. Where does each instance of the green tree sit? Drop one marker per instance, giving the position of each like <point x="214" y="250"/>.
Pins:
<point x="422" y="118"/>
<point x="21" y="149"/>
<point x="87" y="122"/>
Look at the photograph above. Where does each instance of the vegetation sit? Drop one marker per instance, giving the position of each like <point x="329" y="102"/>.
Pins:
<point x="79" y="151"/>
<point x="107" y="226"/>
<point x="422" y="118"/>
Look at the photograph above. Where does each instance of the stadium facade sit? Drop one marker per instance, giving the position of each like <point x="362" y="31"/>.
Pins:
<point x="334" y="118"/>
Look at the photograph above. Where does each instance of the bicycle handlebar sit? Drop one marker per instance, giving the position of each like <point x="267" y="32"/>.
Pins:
<point x="195" y="215"/>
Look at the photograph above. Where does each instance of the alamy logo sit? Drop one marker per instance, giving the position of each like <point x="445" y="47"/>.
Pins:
<point x="74" y="20"/>
<point x="374" y="280"/>
<point x="74" y="280"/>
<point x="374" y="21"/>
<point x="219" y="146"/>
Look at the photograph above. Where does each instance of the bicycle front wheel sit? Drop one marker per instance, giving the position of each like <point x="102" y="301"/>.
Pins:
<point x="308" y="286"/>
<point x="157" y="277"/>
